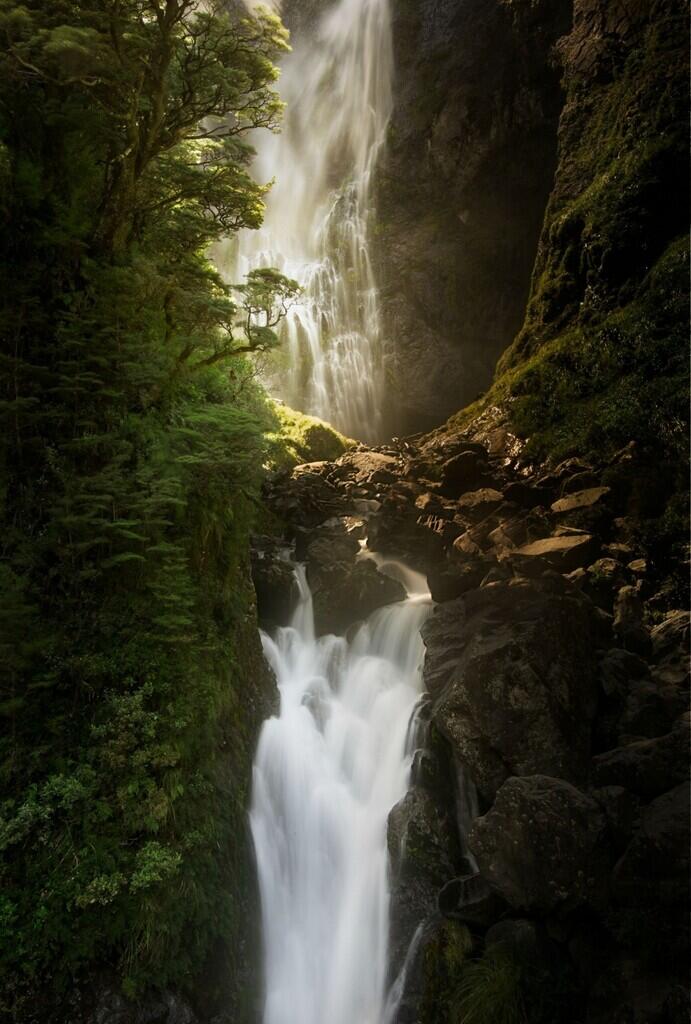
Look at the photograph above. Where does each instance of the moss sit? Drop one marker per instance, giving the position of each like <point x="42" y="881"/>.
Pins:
<point x="491" y="991"/>
<point x="601" y="358"/>
<point x="294" y="438"/>
<point x="443" y="960"/>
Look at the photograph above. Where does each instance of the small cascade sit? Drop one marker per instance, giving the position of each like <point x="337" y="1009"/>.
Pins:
<point x="328" y="770"/>
<point x="337" y="88"/>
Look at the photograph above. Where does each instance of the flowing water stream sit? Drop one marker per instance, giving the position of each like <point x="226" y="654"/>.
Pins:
<point x="337" y="87"/>
<point x="328" y="770"/>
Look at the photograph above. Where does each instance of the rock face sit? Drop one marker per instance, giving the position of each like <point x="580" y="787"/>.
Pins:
<point x="463" y="186"/>
<point x="542" y="845"/>
<point x="513" y="676"/>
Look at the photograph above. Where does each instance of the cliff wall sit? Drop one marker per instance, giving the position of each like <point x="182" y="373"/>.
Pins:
<point x="463" y="186"/>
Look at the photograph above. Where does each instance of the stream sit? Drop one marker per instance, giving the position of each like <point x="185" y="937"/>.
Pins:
<point x="328" y="770"/>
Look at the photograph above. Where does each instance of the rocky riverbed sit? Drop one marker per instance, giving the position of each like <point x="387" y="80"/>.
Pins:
<point x="549" y="809"/>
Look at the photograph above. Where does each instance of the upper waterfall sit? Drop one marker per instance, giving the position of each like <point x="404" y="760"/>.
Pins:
<point x="336" y="84"/>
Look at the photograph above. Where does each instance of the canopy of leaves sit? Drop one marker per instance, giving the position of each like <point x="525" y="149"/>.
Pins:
<point x="131" y="446"/>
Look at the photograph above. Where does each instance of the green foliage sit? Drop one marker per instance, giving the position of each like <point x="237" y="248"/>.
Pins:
<point x="490" y="991"/>
<point x="294" y="438"/>
<point x="131" y="453"/>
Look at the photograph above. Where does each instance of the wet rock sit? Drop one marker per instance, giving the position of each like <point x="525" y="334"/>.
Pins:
<point x="512" y="677"/>
<point x="346" y="592"/>
<point x="333" y="542"/>
<point x="448" y="581"/>
<point x="395" y="531"/>
<point x="528" y="495"/>
<point x="424" y="853"/>
<point x="466" y="546"/>
<point x="274" y="583"/>
<point x="447" y="530"/>
<point x="564" y="553"/>
<point x="510" y="534"/>
<point x="542" y="845"/>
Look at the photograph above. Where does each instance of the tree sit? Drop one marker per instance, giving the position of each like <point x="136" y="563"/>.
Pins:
<point x="130" y="458"/>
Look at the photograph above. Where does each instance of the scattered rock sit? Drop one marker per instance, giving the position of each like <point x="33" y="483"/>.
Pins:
<point x="564" y="553"/>
<point x="580" y="500"/>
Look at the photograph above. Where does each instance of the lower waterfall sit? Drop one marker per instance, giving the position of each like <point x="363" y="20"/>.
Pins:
<point x="328" y="770"/>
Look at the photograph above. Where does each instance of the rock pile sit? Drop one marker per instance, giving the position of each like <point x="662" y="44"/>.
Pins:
<point x="552" y="793"/>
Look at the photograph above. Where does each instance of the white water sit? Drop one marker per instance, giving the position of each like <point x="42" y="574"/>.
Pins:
<point x="337" y="87"/>
<point x="328" y="770"/>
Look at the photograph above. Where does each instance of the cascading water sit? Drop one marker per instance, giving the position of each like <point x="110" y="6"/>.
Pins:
<point x="337" y="87"/>
<point x="328" y="770"/>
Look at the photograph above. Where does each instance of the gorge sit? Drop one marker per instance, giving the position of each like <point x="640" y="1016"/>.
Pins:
<point x="344" y="606"/>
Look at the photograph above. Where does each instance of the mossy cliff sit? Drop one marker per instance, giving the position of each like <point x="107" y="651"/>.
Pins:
<point x="463" y="183"/>
<point x="601" y="357"/>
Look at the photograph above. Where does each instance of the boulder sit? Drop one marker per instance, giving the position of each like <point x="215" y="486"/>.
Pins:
<point x="659" y="851"/>
<point x="647" y="767"/>
<point x="345" y="592"/>
<point x="471" y="900"/>
<point x="528" y="494"/>
<point x="448" y="580"/>
<point x="303" y="498"/>
<point x="618" y="668"/>
<point x="424" y="854"/>
<point x="395" y="531"/>
<point x="480" y="502"/>
<point x="465" y="471"/>
<point x="564" y="553"/>
<point x="366" y="466"/>
<point x="542" y="845"/>
<point x="512" y="675"/>
<point x="579" y="500"/>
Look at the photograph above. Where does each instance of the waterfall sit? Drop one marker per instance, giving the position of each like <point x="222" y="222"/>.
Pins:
<point x="327" y="772"/>
<point x="337" y="88"/>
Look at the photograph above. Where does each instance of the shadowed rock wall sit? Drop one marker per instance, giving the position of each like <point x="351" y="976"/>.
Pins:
<point x="462" y="192"/>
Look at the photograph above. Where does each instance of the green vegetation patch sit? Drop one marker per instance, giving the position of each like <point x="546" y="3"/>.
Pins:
<point x="294" y="438"/>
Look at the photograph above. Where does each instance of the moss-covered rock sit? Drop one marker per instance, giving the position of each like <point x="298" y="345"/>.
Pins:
<point x="295" y="438"/>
